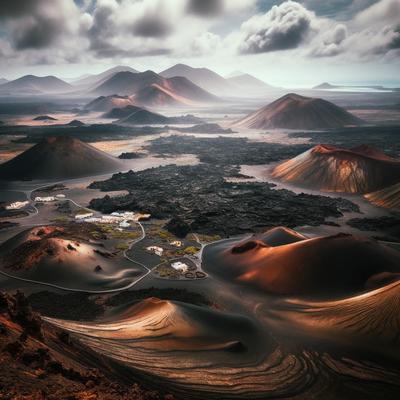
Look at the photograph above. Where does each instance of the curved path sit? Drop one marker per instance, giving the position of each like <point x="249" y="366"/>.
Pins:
<point x="125" y="254"/>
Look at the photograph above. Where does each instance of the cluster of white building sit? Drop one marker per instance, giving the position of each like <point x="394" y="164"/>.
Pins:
<point x="123" y="218"/>
<point x="47" y="199"/>
<point x="17" y="205"/>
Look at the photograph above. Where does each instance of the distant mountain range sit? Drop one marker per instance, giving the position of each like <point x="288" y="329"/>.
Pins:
<point x="293" y="111"/>
<point x="212" y="82"/>
<point x="91" y="80"/>
<point x="31" y="84"/>
<point x="178" y="85"/>
<point x="203" y="77"/>
<point x="329" y="86"/>
<point x="149" y="88"/>
<point x="250" y="84"/>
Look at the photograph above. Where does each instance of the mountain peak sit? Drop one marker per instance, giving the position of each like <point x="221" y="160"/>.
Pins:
<point x="294" y="111"/>
<point x="58" y="157"/>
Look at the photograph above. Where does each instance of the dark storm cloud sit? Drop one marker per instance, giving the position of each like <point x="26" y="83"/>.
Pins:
<point x="152" y="26"/>
<point x="17" y="8"/>
<point x="395" y="43"/>
<point x="103" y="28"/>
<point x="283" y="27"/>
<point x="34" y="24"/>
<point x="36" y="33"/>
<point x="205" y="8"/>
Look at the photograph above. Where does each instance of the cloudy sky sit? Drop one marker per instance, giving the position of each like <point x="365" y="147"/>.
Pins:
<point x="283" y="42"/>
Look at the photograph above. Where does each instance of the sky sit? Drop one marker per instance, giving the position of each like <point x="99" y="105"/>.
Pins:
<point x="283" y="42"/>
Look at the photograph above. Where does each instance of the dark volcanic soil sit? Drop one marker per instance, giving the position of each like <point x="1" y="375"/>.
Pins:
<point x="225" y="150"/>
<point x="202" y="197"/>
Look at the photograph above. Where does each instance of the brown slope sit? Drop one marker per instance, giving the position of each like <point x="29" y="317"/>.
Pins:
<point x="298" y="112"/>
<point x="388" y="197"/>
<point x="156" y="95"/>
<point x="322" y="266"/>
<point x="155" y="324"/>
<point x="373" y="318"/>
<point x="58" y="158"/>
<point x="329" y="168"/>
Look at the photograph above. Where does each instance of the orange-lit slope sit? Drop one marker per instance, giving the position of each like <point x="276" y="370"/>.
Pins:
<point x="171" y="326"/>
<point x="328" y="168"/>
<point x="388" y="197"/>
<point x="372" y="317"/>
<point x="322" y="266"/>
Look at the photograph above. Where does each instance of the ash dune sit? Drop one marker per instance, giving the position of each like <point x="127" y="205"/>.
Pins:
<point x="323" y="266"/>
<point x="388" y="197"/>
<point x="195" y="352"/>
<point x="173" y="326"/>
<point x="54" y="255"/>
<point x="333" y="169"/>
<point x="373" y="318"/>
<point x="198" y="353"/>
<point x="107" y="103"/>
<point x="31" y="84"/>
<point x="58" y="157"/>
<point x="293" y="111"/>
<point x="149" y="88"/>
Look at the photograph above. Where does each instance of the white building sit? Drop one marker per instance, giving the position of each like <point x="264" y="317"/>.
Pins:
<point x="45" y="199"/>
<point x="180" y="266"/>
<point x="156" y="250"/>
<point x="84" y="216"/>
<point x="176" y="243"/>
<point x="60" y="196"/>
<point x="94" y="220"/>
<point x="17" y="205"/>
<point x="124" y="224"/>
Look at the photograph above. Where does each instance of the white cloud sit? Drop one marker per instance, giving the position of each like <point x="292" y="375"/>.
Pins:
<point x="374" y="33"/>
<point x="283" y="27"/>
